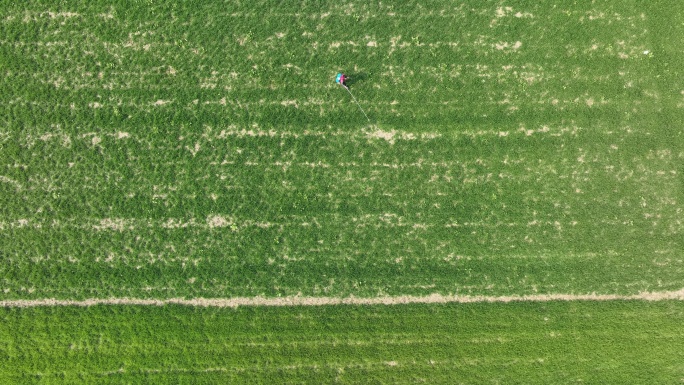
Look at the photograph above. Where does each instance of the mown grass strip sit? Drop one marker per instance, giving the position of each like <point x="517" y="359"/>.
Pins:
<point x="327" y="301"/>
<point x="609" y="342"/>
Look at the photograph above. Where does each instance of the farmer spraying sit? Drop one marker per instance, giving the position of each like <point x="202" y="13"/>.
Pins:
<point x="341" y="79"/>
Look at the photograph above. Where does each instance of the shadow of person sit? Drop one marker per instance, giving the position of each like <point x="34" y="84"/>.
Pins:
<point x="356" y="78"/>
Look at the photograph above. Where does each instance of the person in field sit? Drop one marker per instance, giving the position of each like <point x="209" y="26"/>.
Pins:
<point x="341" y="79"/>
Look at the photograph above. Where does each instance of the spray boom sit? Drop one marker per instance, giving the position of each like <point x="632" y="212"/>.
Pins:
<point x="341" y="79"/>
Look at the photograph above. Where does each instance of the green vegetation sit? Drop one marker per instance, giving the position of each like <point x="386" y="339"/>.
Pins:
<point x="527" y="343"/>
<point x="202" y="149"/>
<point x="156" y="149"/>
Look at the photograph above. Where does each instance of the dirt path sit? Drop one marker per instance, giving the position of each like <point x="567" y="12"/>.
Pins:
<point x="320" y="301"/>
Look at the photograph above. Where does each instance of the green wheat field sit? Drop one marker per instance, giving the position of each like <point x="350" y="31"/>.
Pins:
<point x="158" y="150"/>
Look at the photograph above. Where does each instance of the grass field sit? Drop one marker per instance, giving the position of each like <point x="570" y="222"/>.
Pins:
<point x="531" y="343"/>
<point x="152" y="150"/>
<point x="163" y="151"/>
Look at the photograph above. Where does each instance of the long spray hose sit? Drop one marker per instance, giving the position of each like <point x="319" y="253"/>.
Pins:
<point x="357" y="103"/>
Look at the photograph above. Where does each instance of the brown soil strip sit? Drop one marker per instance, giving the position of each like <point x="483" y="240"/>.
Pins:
<point x="321" y="301"/>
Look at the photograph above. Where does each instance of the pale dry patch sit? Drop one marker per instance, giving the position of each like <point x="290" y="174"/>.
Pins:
<point x="194" y="150"/>
<point x="502" y="12"/>
<point x="430" y="135"/>
<point x="652" y="94"/>
<point x="160" y="196"/>
<point x="385" y="135"/>
<point x="161" y="102"/>
<point x="501" y="46"/>
<point x="242" y="40"/>
<point x="34" y="16"/>
<point x="219" y="221"/>
<point x="107" y="16"/>
<point x="58" y="82"/>
<point x="95" y="105"/>
<point x="110" y="257"/>
<point x="96" y="140"/>
<point x="595" y="15"/>
<point x="315" y="164"/>
<point x="372" y="44"/>
<point x="394" y="41"/>
<point x="16" y="184"/>
<point x="172" y="223"/>
<point x="122" y="135"/>
<point x="527" y="132"/>
<point x="292" y="67"/>
<point x="67" y="15"/>
<point x="261" y="225"/>
<point x="115" y="224"/>
<point x="530" y="78"/>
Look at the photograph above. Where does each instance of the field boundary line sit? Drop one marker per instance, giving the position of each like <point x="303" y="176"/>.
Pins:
<point x="351" y="300"/>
